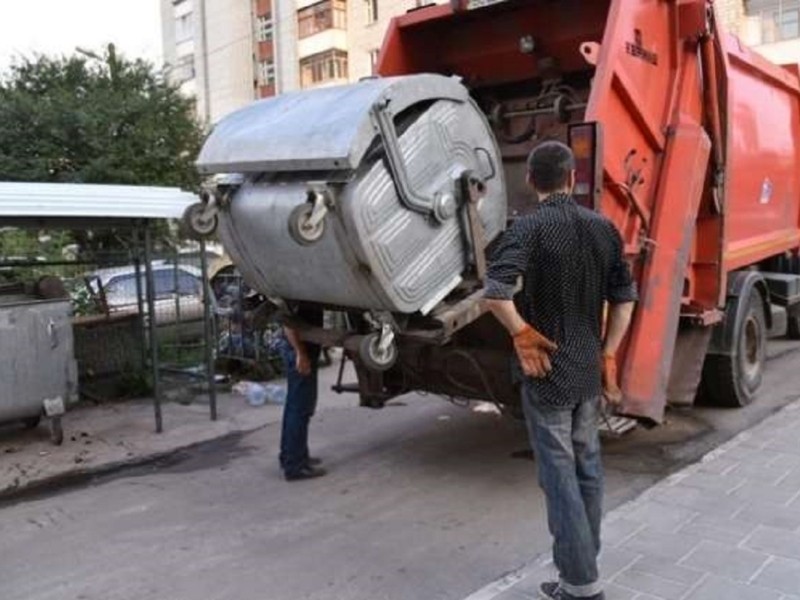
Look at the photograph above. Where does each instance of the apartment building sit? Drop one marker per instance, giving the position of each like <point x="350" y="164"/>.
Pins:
<point x="226" y="53"/>
<point x="773" y="28"/>
<point x="209" y="51"/>
<point x="338" y="41"/>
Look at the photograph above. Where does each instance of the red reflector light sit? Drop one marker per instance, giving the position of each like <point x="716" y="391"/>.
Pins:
<point x="584" y="140"/>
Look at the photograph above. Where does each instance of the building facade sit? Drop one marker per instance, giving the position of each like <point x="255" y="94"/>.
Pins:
<point x="226" y="53"/>
<point x="368" y="21"/>
<point x="209" y="51"/>
<point x="772" y="27"/>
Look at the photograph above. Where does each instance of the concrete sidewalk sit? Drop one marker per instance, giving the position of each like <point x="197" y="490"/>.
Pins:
<point x="726" y="528"/>
<point x="105" y="438"/>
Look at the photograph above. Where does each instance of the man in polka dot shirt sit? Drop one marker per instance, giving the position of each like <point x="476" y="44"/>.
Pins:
<point x="571" y="263"/>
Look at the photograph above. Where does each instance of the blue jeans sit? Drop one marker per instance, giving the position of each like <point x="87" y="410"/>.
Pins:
<point x="567" y="448"/>
<point x="301" y="402"/>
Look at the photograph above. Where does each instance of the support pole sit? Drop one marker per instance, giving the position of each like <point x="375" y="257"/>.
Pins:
<point x="151" y="322"/>
<point x="137" y="264"/>
<point x="207" y="316"/>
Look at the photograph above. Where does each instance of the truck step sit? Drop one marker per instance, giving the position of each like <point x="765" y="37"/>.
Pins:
<point x="616" y="425"/>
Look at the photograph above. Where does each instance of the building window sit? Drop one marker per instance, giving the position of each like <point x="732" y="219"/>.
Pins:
<point x="184" y="69"/>
<point x="325" y="66"/>
<point x="372" y="11"/>
<point x="266" y="72"/>
<point x="264" y="29"/>
<point x="184" y="29"/>
<point x="780" y="19"/>
<point x="328" y="14"/>
<point x="790" y="24"/>
<point x="373" y="60"/>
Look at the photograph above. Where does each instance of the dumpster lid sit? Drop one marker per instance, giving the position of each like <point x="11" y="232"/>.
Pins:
<point x="315" y="130"/>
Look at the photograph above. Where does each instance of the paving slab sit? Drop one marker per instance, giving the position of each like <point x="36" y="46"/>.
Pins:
<point x="727" y="527"/>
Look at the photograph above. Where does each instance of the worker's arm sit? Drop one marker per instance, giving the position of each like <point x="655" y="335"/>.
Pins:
<point x="302" y="361"/>
<point x="506" y="312"/>
<point x="621" y="295"/>
<point x="507" y="267"/>
<point x="619" y="320"/>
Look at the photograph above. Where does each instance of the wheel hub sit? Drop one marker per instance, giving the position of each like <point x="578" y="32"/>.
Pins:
<point x="752" y="347"/>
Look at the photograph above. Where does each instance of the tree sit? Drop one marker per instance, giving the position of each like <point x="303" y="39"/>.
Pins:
<point x="96" y="119"/>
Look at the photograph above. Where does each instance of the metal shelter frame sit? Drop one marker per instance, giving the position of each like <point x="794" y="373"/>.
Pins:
<point x="135" y="208"/>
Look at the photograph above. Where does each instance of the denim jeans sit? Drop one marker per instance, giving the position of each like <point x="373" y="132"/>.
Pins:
<point x="301" y="402"/>
<point x="567" y="448"/>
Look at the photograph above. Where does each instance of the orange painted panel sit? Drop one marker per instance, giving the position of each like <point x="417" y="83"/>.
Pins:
<point x="763" y="185"/>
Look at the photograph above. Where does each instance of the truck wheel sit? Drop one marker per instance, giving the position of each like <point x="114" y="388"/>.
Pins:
<point x="375" y="359"/>
<point x="732" y="380"/>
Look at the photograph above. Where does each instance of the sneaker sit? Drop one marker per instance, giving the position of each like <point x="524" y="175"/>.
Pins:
<point x="308" y="472"/>
<point x="550" y="590"/>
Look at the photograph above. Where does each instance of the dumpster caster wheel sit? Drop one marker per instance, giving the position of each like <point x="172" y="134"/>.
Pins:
<point x="199" y="221"/>
<point x="56" y="431"/>
<point x="302" y="228"/>
<point x="377" y="352"/>
<point x="32" y="422"/>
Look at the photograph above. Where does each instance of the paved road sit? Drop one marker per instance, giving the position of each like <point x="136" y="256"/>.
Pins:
<point x="424" y="501"/>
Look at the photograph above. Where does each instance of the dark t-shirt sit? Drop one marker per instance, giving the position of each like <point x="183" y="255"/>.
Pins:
<point x="571" y="261"/>
<point x="310" y="315"/>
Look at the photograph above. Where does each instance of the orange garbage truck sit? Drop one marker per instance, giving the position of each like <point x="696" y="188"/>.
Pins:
<point x="684" y="137"/>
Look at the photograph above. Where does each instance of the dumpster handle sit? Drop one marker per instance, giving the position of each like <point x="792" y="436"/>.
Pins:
<point x="52" y="331"/>
<point x="410" y="197"/>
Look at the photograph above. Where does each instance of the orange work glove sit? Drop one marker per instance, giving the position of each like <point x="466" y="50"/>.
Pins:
<point x="533" y="350"/>
<point x="611" y="391"/>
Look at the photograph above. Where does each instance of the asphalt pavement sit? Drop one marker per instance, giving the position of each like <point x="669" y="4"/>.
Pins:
<point x="424" y="500"/>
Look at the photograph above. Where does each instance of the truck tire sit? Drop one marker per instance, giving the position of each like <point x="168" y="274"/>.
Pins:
<point x="793" y="312"/>
<point x="731" y="380"/>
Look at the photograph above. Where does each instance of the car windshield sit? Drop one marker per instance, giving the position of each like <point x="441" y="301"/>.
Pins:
<point x="122" y="288"/>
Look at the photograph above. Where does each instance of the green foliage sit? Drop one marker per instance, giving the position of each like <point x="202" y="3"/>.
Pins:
<point x="96" y="119"/>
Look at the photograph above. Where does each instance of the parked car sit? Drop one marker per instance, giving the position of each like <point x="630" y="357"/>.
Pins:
<point x="178" y="291"/>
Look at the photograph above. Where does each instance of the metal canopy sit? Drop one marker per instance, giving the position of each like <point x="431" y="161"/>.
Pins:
<point x="91" y="201"/>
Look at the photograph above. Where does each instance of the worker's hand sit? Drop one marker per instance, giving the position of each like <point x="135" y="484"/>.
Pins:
<point x="303" y="364"/>
<point x="611" y="391"/>
<point x="533" y="351"/>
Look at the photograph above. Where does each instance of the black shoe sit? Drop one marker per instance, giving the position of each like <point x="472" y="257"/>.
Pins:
<point x="308" y="472"/>
<point x="550" y="590"/>
<point x="313" y="461"/>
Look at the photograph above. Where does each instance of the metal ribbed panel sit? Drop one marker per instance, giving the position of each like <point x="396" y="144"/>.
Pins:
<point x="72" y="200"/>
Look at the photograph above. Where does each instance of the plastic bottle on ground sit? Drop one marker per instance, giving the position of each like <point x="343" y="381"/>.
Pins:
<point x="275" y="393"/>
<point x="256" y="394"/>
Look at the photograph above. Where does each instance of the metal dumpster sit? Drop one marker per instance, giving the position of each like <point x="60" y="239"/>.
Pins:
<point x="349" y="196"/>
<point x="38" y="374"/>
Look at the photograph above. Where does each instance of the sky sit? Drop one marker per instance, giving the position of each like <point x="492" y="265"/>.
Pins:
<point x="58" y="26"/>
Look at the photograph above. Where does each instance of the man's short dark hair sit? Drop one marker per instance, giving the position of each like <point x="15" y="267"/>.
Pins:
<point x="549" y="166"/>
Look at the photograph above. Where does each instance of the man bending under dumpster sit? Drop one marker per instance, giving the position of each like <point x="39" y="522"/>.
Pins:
<point x="571" y="263"/>
<point x="301" y="360"/>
